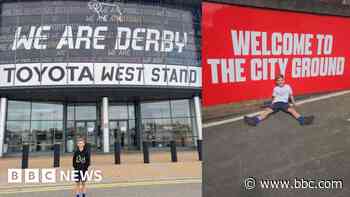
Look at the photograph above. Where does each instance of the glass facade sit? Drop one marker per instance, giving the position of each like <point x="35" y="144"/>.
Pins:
<point x="122" y="125"/>
<point x="38" y="124"/>
<point x="168" y="120"/>
<point x="43" y="124"/>
<point x="82" y="122"/>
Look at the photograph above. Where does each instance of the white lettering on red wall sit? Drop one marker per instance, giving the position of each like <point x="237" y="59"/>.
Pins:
<point x="243" y="54"/>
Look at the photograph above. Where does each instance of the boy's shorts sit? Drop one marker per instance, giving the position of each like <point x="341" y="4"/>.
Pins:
<point x="279" y="106"/>
<point x="79" y="176"/>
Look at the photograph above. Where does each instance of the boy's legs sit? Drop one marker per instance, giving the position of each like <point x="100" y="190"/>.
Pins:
<point x="83" y="189"/>
<point x="275" y="107"/>
<point x="80" y="188"/>
<point x="77" y="189"/>
<point x="253" y="121"/>
<point x="267" y="111"/>
<point x="301" y="119"/>
<point x="294" y="112"/>
<point x="79" y="183"/>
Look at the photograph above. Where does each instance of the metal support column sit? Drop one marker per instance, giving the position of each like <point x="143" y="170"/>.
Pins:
<point x="105" y="124"/>
<point x="198" y="116"/>
<point x="3" y="109"/>
<point x="138" y="124"/>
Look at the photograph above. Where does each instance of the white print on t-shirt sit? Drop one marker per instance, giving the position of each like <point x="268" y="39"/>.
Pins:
<point x="282" y="94"/>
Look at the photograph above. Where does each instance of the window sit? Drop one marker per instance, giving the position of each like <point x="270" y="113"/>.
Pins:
<point x="85" y="112"/>
<point x="122" y="125"/>
<point x="39" y="124"/>
<point x="180" y="108"/>
<point x="18" y="110"/>
<point x="168" y="120"/>
<point x="155" y="110"/>
<point x="81" y="112"/>
<point x="117" y="112"/>
<point x="45" y="111"/>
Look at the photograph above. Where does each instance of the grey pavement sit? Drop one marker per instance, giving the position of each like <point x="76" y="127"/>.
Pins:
<point x="279" y="148"/>
<point x="163" y="190"/>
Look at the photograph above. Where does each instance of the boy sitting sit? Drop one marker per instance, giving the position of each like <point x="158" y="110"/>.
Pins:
<point x="281" y="95"/>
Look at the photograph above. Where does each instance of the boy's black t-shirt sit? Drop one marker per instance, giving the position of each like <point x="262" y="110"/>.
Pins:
<point x="81" y="159"/>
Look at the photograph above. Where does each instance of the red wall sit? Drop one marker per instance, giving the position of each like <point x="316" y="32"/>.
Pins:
<point x="311" y="39"/>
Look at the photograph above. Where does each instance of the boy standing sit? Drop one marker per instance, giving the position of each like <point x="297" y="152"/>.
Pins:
<point x="281" y="95"/>
<point x="81" y="163"/>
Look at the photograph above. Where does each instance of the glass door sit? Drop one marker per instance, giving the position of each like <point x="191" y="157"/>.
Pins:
<point x="46" y="133"/>
<point x="82" y="122"/>
<point x="80" y="129"/>
<point x="119" y="131"/>
<point x="113" y="133"/>
<point x="87" y="130"/>
<point x="91" y="135"/>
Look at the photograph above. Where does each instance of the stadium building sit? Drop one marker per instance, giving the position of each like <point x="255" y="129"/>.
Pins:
<point x="126" y="71"/>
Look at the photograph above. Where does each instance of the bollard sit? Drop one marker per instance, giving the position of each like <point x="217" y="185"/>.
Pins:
<point x="25" y="156"/>
<point x="173" y="151"/>
<point x="117" y="151"/>
<point x="56" y="155"/>
<point x="145" y="152"/>
<point x="199" y="148"/>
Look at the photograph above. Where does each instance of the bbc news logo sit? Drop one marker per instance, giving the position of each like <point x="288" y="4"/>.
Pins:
<point x="51" y="175"/>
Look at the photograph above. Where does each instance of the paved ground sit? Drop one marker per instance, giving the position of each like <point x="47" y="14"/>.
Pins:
<point x="280" y="149"/>
<point x="132" y="178"/>
<point x="154" y="190"/>
<point x="132" y="167"/>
